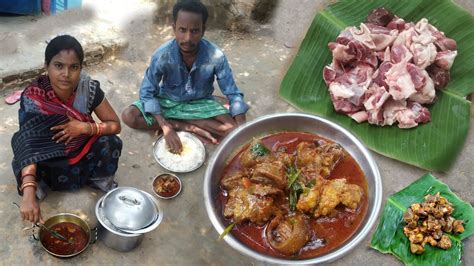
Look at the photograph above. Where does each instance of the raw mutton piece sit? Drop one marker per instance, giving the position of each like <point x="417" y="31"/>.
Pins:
<point x="386" y="70"/>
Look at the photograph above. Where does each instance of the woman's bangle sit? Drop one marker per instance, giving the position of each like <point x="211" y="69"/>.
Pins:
<point x="25" y="175"/>
<point x="90" y="128"/>
<point x="100" y="129"/>
<point x="28" y="184"/>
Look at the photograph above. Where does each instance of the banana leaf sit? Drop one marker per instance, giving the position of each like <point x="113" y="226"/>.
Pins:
<point x="432" y="146"/>
<point x="389" y="237"/>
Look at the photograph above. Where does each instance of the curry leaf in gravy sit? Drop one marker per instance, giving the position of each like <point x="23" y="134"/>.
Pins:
<point x="311" y="183"/>
<point x="258" y="149"/>
<point x="295" y="188"/>
<point x="389" y="237"/>
<point x="226" y="231"/>
<point x="292" y="175"/>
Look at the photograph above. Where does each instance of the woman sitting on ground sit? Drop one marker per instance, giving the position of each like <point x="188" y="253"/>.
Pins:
<point x="58" y="144"/>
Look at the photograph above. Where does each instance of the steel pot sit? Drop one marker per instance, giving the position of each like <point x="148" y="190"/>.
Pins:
<point x="72" y="218"/>
<point x="292" y="122"/>
<point x="118" y="239"/>
<point x="129" y="209"/>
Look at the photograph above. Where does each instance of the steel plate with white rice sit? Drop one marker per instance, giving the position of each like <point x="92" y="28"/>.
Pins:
<point x="190" y="159"/>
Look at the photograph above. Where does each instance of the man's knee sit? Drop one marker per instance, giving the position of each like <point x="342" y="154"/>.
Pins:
<point x="129" y="116"/>
<point x="228" y="127"/>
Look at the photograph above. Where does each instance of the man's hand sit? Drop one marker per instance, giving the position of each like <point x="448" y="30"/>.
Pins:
<point x="171" y="138"/>
<point x="240" y="119"/>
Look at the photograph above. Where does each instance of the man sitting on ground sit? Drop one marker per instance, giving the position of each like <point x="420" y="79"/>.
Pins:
<point x="176" y="91"/>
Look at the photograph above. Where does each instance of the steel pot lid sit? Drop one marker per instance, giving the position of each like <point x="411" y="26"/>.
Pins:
<point x="129" y="208"/>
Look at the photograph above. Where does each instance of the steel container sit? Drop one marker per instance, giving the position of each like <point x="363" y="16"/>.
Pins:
<point x="122" y="239"/>
<point x="71" y="218"/>
<point x="292" y="122"/>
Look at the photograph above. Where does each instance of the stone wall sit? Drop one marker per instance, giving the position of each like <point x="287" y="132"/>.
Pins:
<point x="236" y="15"/>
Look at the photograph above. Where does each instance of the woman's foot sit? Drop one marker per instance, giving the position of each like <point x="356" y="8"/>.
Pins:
<point x="13" y="97"/>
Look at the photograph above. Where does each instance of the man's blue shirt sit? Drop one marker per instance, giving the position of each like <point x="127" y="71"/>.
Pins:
<point x="168" y="77"/>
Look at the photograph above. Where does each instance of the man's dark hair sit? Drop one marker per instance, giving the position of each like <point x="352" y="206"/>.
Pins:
<point x="63" y="42"/>
<point x="194" y="6"/>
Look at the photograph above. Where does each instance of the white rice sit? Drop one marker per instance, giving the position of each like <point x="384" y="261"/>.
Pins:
<point x="189" y="159"/>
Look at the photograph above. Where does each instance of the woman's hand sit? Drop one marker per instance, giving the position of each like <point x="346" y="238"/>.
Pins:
<point x="70" y="130"/>
<point x="29" y="208"/>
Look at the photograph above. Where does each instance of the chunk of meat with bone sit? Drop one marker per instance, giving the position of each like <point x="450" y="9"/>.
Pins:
<point x="270" y="173"/>
<point x="382" y="36"/>
<point x="337" y="191"/>
<point x="399" y="81"/>
<point x="440" y="76"/>
<point x="380" y="16"/>
<point x="423" y="48"/>
<point x="318" y="160"/>
<point x="376" y="97"/>
<point x="445" y="59"/>
<point x="255" y="153"/>
<point x="308" y="201"/>
<point x="442" y="42"/>
<point x="354" y="45"/>
<point x="255" y="204"/>
<point x="407" y="115"/>
<point x="394" y="55"/>
<point x="397" y="23"/>
<point x="232" y="181"/>
<point x="351" y="196"/>
<point x="399" y="53"/>
<point x="352" y="85"/>
<point x="379" y="75"/>
<point x="288" y="234"/>
<point x="426" y="92"/>
<point x="333" y="71"/>
<point x="326" y="195"/>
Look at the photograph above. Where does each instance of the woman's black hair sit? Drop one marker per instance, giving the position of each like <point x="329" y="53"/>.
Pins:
<point x="194" y="6"/>
<point x="63" y="42"/>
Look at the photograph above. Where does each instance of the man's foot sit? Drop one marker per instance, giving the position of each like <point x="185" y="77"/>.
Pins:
<point x="205" y="140"/>
<point x="158" y="133"/>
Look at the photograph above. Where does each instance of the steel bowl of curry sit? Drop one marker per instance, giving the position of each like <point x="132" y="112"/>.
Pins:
<point x="292" y="189"/>
<point x="73" y="228"/>
<point x="167" y="186"/>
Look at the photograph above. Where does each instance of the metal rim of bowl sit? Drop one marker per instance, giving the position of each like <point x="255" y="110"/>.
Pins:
<point x="72" y="218"/>
<point x="170" y="174"/>
<point x="194" y="138"/>
<point x="332" y="255"/>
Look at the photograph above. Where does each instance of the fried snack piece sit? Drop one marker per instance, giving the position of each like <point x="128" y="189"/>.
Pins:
<point x="326" y="195"/>
<point x="428" y="221"/>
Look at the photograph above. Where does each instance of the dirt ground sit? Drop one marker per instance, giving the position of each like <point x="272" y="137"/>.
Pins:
<point x="186" y="236"/>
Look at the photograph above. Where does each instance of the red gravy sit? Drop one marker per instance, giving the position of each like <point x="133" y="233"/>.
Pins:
<point x="166" y="186"/>
<point x="71" y="231"/>
<point x="330" y="233"/>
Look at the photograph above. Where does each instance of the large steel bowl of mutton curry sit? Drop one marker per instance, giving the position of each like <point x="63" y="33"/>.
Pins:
<point x="292" y="189"/>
